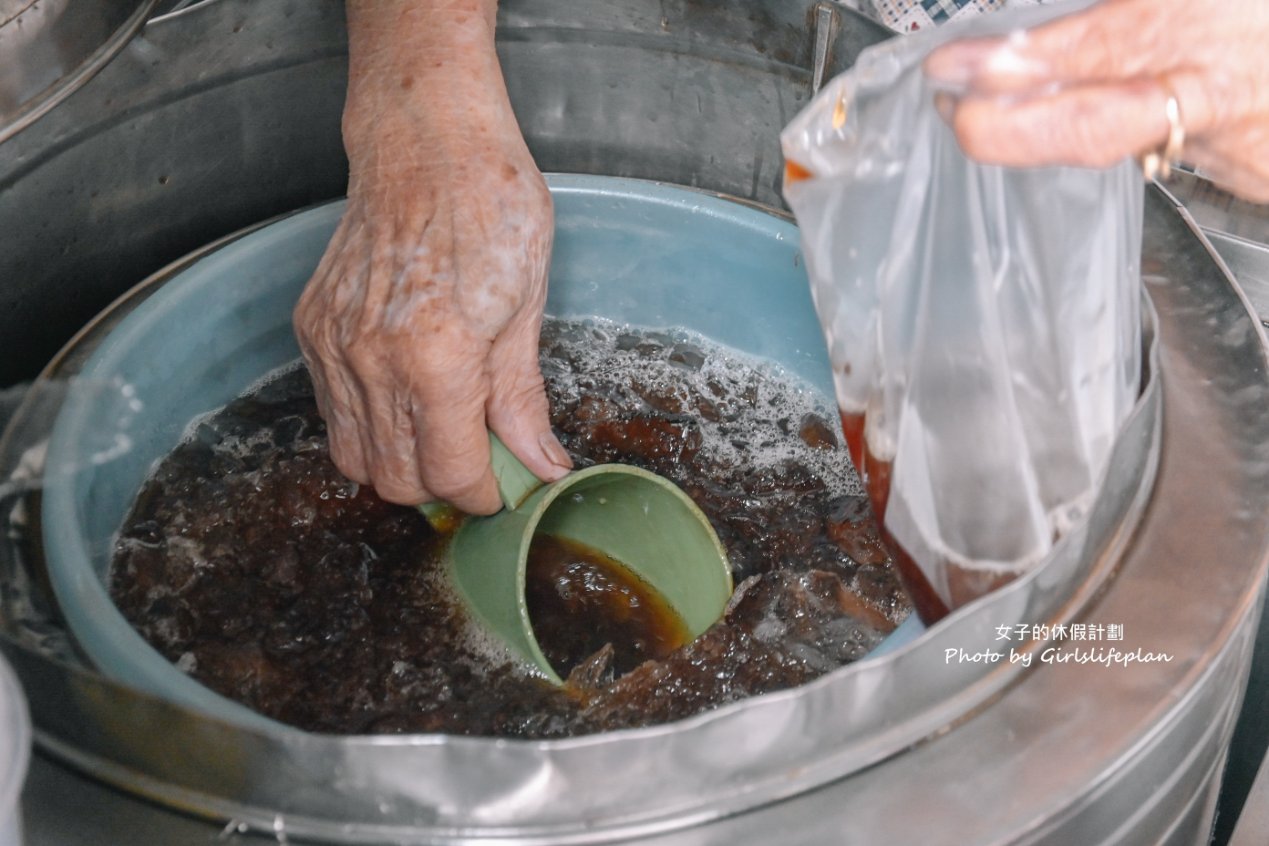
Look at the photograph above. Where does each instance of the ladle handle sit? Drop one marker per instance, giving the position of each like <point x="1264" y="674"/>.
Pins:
<point x="515" y="483"/>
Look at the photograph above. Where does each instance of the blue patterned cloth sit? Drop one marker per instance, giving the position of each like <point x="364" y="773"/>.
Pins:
<point x="912" y="15"/>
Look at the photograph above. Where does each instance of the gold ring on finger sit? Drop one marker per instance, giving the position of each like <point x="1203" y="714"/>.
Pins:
<point x="1157" y="163"/>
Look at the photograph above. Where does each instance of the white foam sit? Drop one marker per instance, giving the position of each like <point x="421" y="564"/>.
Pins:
<point x="234" y="445"/>
<point x="779" y="394"/>
<point x="487" y="649"/>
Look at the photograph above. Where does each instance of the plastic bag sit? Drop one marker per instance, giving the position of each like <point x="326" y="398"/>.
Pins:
<point x="983" y="323"/>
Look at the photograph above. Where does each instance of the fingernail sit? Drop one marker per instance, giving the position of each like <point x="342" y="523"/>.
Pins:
<point x="555" y="454"/>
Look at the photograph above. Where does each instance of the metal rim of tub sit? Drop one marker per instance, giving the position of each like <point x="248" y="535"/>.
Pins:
<point x="745" y="789"/>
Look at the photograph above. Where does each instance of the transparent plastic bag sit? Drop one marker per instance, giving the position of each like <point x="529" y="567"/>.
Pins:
<point x="983" y="323"/>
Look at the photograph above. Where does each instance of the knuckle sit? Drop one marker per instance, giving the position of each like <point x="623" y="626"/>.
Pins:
<point x="307" y="314"/>
<point x="519" y="394"/>
<point x="395" y="481"/>
<point x="542" y="199"/>
<point x="1090" y="137"/>
<point x="364" y="357"/>
<point x="459" y="474"/>
<point x="456" y="479"/>
<point x="1099" y="51"/>
<point x="398" y="493"/>
<point x="315" y="340"/>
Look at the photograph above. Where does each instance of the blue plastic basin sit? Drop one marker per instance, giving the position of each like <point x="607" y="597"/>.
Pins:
<point x="630" y="251"/>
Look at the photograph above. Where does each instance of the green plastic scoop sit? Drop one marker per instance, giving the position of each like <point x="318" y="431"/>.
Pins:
<point x="641" y="520"/>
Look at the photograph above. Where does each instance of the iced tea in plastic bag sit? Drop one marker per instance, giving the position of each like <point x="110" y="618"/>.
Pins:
<point x="983" y="323"/>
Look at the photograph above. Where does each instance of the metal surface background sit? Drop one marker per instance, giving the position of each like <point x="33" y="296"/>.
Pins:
<point x="227" y="113"/>
<point x="1239" y="232"/>
<point x="50" y="50"/>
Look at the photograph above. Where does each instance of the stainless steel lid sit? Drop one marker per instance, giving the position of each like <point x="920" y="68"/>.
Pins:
<point x="52" y="47"/>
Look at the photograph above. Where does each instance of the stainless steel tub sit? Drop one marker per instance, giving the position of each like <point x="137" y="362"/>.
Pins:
<point x="227" y="113"/>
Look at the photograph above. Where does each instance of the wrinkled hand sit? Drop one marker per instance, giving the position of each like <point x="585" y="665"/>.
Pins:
<point x="1092" y="88"/>
<point x="420" y="326"/>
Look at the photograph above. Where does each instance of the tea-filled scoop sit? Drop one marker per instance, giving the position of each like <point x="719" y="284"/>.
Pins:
<point x="606" y="515"/>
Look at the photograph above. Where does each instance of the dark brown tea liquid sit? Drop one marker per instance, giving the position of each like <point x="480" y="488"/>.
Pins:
<point x="251" y="563"/>
<point x="581" y="599"/>
<point x="963" y="584"/>
<point x="875" y="474"/>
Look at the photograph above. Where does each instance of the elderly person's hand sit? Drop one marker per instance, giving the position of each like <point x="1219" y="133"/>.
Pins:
<point x="1092" y="88"/>
<point x="420" y="326"/>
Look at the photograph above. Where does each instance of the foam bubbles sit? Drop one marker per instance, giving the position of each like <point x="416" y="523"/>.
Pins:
<point x="749" y="409"/>
<point x="478" y="646"/>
